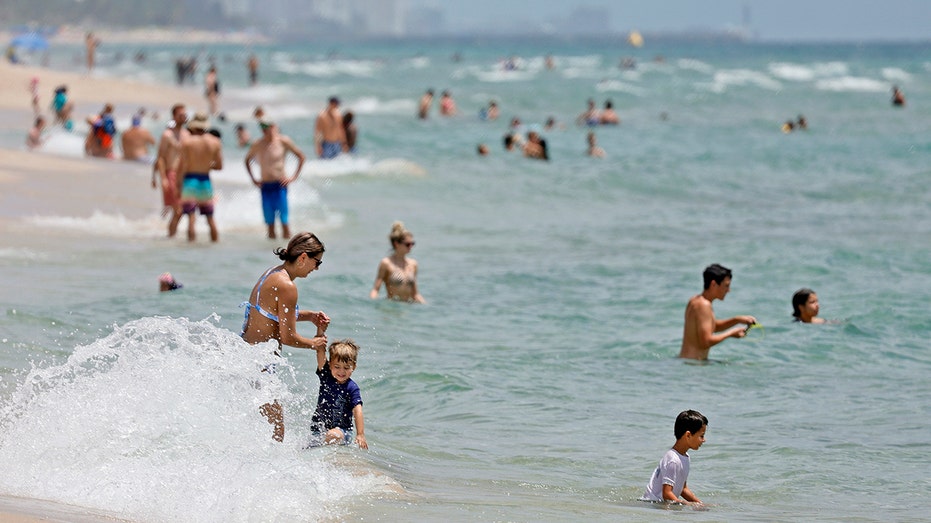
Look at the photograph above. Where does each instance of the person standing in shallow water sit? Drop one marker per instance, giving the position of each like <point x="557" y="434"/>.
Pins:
<point x="397" y="271"/>
<point x="272" y="312"/>
<point x="702" y="330"/>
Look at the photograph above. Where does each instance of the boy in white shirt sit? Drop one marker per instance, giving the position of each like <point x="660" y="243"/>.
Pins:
<point x="668" y="483"/>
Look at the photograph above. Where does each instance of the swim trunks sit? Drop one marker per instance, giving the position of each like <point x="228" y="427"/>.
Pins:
<point x="330" y="150"/>
<point x="274" y="200"/>
<point x="170" y="189"/>
<point x="197" y="193"/>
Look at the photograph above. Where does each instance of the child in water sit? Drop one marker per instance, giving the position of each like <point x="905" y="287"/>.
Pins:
<point x="668" y="482"/>
<point x="339" y="402"/>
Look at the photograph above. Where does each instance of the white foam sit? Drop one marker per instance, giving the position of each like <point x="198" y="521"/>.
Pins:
<point x="742" y="77"/>
<point x="619" y="86"/>
<point x="895" y="74"/>
<point x="153" y="420"/>
<point x="806" y="73"/>
<point x="694" y="65"/>
<point x="852" y="83"/>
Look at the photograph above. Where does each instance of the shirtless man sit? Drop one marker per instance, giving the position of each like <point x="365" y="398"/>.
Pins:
<point x="270" y="151"/>
<point x="136" y="141"/>
<point x="425" y="102"/>
<point x="166" y="165"/>
<point x="329" y="135"/>
<point x="201" y="152"/>
<point x="702" y="330"/>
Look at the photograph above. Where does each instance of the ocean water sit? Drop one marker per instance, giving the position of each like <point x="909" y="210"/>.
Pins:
<point x="540" y="381"/>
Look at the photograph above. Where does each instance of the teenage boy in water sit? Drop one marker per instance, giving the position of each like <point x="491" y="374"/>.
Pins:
<point x="339" y="402"/>
<point x="669" y="480"/>
<point x="702" y="330"/>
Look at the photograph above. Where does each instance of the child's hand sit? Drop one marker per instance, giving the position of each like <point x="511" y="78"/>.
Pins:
<point x="321" y="320"/>
<point x="360" y="440"/>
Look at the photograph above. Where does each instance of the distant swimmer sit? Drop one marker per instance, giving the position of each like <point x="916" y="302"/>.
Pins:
<point x="482" y="149"/>
<point x="593" y="149"/>
<point x="535" y="147"/>
<point x="397" y="271"/>
<point x="788" y="127"/>
<point x="329" y="133"/>
<point x="243" y="138"/>
<point x="805" y="306"/>
<point x="590" y="116"/>
<point x="351" y="130"/>
<point x="608" y="116"/>
<point x="898" y="99"/>
<point x="702" y="330"/>
<point x="802" y="122"/>
<point x="166" y="282"/>
<point x="200" y="153"/>
<point x="423" y="107"/>
<point x="447" y="104"/>
<point x="489" y="113"/>
<point x="136" y="141"/>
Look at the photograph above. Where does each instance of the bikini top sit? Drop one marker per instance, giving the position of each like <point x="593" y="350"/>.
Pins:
<point x="258" y="308"/>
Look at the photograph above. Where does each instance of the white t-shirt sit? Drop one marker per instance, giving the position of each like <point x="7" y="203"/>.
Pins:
<point x="673" y="470"/>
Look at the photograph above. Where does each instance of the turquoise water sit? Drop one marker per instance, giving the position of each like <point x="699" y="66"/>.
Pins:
<point x="540" y="381"/>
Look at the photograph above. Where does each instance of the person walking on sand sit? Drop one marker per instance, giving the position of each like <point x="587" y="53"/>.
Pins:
<point x="702" y="330"/>
<point x="270" y="151"/>
<point x="329" y="133"/>
<point x="272" y="312"/>
<point x="166" y="165"/>
<point x="136" y="141"/>
<point x="398" y="272"/>
<point x="201" y="152"/>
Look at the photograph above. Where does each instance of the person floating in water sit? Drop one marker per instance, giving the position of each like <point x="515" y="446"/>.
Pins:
<point x="702" y="330"/>
<point x="898" y="99"/>
<point x="166" y="282"/>
<point x="805" y="306"/>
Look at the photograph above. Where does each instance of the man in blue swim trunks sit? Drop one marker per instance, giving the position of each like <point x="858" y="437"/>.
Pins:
<point x="270" y="151"/>
<point x="329" y="134"/>
<point x="201" y="152"/>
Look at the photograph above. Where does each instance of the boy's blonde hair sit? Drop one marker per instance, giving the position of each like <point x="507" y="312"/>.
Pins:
<point x="344" y="351"/>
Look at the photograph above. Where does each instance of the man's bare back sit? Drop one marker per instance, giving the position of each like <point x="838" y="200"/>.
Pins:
<point x="136" y="142"/>
<point x="201" y="153"/>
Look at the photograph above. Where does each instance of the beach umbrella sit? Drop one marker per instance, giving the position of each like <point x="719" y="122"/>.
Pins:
<point x="30" y="42"/>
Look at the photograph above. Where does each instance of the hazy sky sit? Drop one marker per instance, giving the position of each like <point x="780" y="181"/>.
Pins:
<point x="849" y="20"/>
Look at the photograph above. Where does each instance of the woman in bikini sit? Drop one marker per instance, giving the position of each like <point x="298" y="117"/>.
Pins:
<point x="272" y="312"/>
<point x="398" y="272"/>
